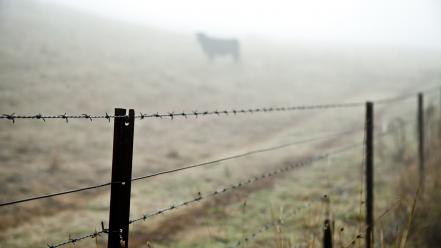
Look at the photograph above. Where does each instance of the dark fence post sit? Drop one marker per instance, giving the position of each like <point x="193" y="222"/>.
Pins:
<point x="369" y="174"/>
<point x="421" y="149"/>
<point x="439" y="118"/>
<point x="327" y="234"/>
<point x="327" y="228"/>
<point x="121" y="179"/>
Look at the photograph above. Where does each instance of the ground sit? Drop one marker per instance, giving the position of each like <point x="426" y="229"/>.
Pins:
<point x="55" y="61"/>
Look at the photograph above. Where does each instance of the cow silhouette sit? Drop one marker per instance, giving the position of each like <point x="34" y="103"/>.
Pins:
<point x="214" y="47"/>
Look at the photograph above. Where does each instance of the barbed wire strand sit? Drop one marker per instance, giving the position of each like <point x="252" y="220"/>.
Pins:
<point x="12" y="117"/>
<point x="178" y="169"/>
<point x="265" y="227"/>
<point x="408" y="96"/>
<point x="251" y="180"/>
<point x="215" y="193"/>
<point x="244" y="154"/>
<point x="395" y="205"/>
<point x="395" y="99"/>
<point x="235" y="186"/>
<point x="56" y="194"/>
<point x="73" y="241"/>
<point x="226" y="189"/>
<point x="171" y="115"/>
<point x="360" y="234"/>
<point x="186" y="203"/>
<point x="188" y="167"/>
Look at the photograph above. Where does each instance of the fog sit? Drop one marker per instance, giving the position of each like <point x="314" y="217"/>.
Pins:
<point x="398" y="23"/>
<point x="219" y="88"/>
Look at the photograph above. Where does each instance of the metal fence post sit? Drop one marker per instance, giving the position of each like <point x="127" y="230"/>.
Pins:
<point x="121" y="179"/>
<point x="421" y="149"/>
<point x="327" y="228"/>
<point x="327" y="234"/>
<point x="369" y="174"/>
<point x="439" y="117"/>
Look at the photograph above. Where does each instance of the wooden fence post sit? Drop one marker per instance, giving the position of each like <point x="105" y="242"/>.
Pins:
<point x="421" y="149"/>
<point x="369" y="174"/>
<point x="121" y="179"/>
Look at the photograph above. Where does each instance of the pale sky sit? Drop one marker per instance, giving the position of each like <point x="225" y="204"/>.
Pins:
<point x="414" y="23"/>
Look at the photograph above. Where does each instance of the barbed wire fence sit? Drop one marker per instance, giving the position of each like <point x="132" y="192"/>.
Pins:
<point x="120" y="184"/>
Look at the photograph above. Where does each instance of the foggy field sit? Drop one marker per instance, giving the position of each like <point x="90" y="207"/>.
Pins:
<point x="56" y="60"/>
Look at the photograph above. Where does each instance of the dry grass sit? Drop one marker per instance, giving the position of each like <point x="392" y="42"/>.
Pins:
<point x="54" y="60"/>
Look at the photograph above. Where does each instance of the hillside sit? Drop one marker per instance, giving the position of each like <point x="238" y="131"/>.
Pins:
<point x="54" y="60"/>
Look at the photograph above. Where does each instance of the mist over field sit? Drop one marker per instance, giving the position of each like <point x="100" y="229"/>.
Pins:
<point x="397" y="23"/>
<point x="89" y="57"/>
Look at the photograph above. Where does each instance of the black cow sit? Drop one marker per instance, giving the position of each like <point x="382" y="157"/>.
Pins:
<point x="213" y="47"/>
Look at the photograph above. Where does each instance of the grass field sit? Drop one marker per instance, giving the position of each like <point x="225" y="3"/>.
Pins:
<point x="55" y="60"/>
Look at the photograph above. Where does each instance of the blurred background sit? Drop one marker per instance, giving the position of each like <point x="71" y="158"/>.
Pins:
<point x="91" y="56"/>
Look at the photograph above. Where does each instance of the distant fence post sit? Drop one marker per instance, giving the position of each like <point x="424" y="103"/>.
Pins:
<point x="369" y="174"/>
<point x="421" y="149"/>
<point x="121" y="179"/>
<point x="327" y="234"/>
<point x="439" y="117"/>
<point x="327" y="226"/>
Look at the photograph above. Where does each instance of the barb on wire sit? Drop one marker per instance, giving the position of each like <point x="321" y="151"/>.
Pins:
<point x="363" y="231"/>
<point x="73" y="241"/>
<point x="395" y="99"/>
<point x="225" y="112"/>
<point x="12" y="117"/>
